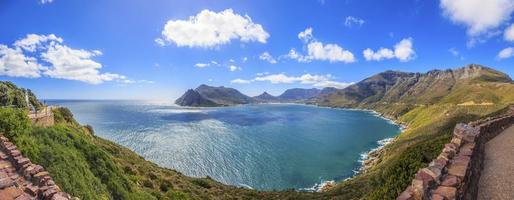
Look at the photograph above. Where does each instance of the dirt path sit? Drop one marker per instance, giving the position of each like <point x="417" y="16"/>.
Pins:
<point x="497" y="179"/>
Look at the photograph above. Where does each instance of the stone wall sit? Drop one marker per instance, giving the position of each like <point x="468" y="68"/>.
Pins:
<point x="47" y="120"/>
<point x="455" y="173"/>
<point x="23" y="175"/>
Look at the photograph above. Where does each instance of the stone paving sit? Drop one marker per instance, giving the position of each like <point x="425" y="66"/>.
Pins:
<point x="497" y="179"/>
<point x="20" y="179"/>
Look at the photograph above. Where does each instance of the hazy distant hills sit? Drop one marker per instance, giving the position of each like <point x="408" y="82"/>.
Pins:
<point x="208" y="96"/>
<point x="383" y="88"/>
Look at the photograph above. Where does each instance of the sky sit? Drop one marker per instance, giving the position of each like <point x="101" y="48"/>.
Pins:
<point x="158" y="49"/>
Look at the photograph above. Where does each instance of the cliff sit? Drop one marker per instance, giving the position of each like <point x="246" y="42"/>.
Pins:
<point x="412" y="88"/>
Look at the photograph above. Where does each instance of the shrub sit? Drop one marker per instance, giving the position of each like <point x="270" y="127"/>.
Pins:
<point x="13" y="122"/>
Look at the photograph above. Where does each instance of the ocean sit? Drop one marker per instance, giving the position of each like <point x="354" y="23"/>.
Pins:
<point x="260" y="146"/>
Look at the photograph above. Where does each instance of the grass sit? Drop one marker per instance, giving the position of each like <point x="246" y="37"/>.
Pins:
<point x="90" y="167"/>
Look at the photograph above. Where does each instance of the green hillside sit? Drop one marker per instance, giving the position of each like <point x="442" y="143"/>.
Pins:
<point x="430" y="104"/>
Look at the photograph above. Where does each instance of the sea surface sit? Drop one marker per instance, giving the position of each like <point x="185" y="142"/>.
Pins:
<point x="263" y="146"/>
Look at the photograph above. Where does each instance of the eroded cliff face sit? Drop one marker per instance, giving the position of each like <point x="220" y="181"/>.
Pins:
<point x="410" y="88"/>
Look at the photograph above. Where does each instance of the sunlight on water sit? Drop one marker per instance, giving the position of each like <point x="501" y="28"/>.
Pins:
<point x="274" y="146"/>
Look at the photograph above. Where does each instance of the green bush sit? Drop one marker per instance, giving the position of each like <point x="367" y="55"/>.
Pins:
<point x="13" y="122"/>
<point x="64" y="115"/>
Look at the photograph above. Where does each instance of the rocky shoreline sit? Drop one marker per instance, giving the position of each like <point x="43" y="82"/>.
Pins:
<point x="370" y="158"/>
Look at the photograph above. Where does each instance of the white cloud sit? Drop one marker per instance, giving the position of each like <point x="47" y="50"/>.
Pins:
<point x="59" y="61"/>
<point x="402" y="51"/>
<point x="509" y="33"/>
<point x="306" y="35"/>
<point x="76" y="64"/>
<point x="202" y="65"/>
<point x="240" y="81"/>
<point x="479" y="16"/>
<point x="268" y="57"/>
<point x="33" y="41"/>
<point x="381" y="54"/>
<point x="329" y="52"/>
<point x="307" y="79"/>
<point x="318" y="51"/>
<point x="293" y="54"/>
<point x="46" y="1"/>
<point x="211" y="29"/>
<point x="506" y="53"/>
<point x="234" y="68"/>
<point x="350" y="21"/>
<point x="14" y="63"/>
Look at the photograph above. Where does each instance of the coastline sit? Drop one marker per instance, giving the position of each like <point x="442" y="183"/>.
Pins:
<point x="368" y="159"/>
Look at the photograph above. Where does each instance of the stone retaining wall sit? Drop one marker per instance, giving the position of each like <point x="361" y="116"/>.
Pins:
<point x="455" y="173"/>
<point x="37" y="182"/>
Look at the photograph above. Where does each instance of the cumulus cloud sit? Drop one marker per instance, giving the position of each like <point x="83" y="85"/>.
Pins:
<point x="351" y="21"/>
<point x="318" y="51"/>
<point x="329" y="52"/>
<point x="46" y="1"/>
<point x="320" y="81"/>
<point x="76" y="64"/>
<point x="479" y="16"/>
<point x="505" y="53"/>
<point x="268" y="57"/>
<point x="16" y="64"/>
<point x="53" y="59"/>
<point x="509" y="33"/>
<point x="402" y="51"/>
<point x="33" y="41"/>
<point x="211" y="29"/>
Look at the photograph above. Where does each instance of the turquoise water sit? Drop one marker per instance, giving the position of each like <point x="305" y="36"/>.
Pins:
<point x="268" y="146"/>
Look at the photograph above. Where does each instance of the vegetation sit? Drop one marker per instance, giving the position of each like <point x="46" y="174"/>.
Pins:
<point x="12" y="96"/>
<point x="430" y="117"/>
<point x="90" y="167"/>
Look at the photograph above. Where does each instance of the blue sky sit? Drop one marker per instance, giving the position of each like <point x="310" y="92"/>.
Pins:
<point x="157" y="49"/>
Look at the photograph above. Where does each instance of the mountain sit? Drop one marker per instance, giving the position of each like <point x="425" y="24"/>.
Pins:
<point x="430" y="105"/>
<point x="265" y="97"/>
<point x="205" y="95"/>
<point x="77" y="159"/>
<point x="194" y="98"/>
<point x="299" y="94"/>
<point x="411" y="88"/>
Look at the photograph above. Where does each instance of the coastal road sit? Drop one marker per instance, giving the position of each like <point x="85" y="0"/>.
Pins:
<point x="497" y="179"/>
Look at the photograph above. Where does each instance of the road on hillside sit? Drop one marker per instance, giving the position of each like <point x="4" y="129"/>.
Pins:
<point x="497" y="179"/>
